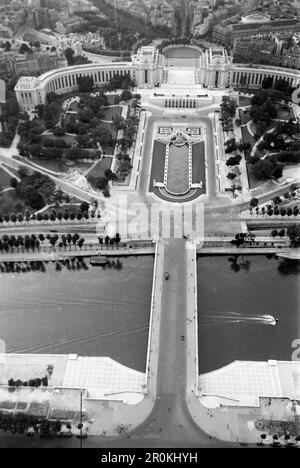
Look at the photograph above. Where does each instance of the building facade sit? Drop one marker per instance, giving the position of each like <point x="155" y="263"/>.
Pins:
<point x="227" y="33"/>
<point x="213" y="69"/>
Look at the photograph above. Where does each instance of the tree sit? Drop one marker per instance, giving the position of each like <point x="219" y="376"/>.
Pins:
<point x="53" y="241"/>
<point x="263" y="169"/>
<point x="80" y="243"/>
<point x="13" y="182"/>
<point x="69" y="53"/>
<point x="126" y="95"/>
<point x="85" y="84"/>
<point x="84" y="207"/>
<point x="293" y="233"/>
<point x="117" y="239"/>
<point x="253" y="202"/>
<point x="58" y="131"/>
<point x="231" y="175"/>
<point x="86" y="115"/>
<point x="276" y="200"/>
<point x="25" y="49"/>
<point x="282" y="85"/>
<point x="277" y="172"/>
<point x="234" y="161"/>
<point x="267" y="82"/>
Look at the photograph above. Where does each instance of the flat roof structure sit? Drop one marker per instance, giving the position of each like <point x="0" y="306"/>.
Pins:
<point x="27" y="82"/>
<point x="243" y="383"/>
<point x="256" y="17"/>
<point x="102" y="376"/>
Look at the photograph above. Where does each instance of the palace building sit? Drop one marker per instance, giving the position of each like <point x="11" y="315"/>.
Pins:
<point x="212" y="69"/>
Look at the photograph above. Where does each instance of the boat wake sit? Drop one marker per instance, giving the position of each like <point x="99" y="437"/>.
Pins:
<point x="57" y="343"/>
<point x="234" y="317"/>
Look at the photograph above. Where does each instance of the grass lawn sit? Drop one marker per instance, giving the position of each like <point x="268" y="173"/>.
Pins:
<point x="111" y="98"/>
<point x="113" y="131"/>
<point x="244" y="101"/>
<point x="71" y="207"/>
<point x="158" y="163"/>
<point x="255" y="184"/>
<point x="262" y="187"/>
<point x="198" y="159"/>
<point x="247" y="137"/>
<point x="101" y="167"/>
<point x="74" y="107"/>
<point x="284" y="112"/>
<point x="11" y="203"/>
<point x="4" y="179"/>
<point x="111" y="112"/>
<point x="244" y="117"/>
<point x="13" y="171"/>
<point x="68" y="138"/>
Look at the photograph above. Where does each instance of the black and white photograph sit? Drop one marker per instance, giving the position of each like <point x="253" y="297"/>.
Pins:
<point x="149" y="227"/>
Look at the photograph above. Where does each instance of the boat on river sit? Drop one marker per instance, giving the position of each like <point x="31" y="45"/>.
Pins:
<point x="99" y="261"/>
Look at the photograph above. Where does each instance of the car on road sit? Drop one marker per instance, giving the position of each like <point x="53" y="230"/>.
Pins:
<point x="181" y="337"/>
<point x="167" y="276"/>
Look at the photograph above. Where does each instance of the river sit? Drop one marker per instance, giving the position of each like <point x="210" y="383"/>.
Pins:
<point x="234" y="296"/>
<point x="81" y="309"/>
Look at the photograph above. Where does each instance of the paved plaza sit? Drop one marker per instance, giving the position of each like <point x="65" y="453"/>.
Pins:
<point x="243" y="383"/>
<point x="104" y="378"/>
<point x="177" y="76"/>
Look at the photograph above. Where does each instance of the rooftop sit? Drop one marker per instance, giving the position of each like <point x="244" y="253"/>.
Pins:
<point x="242" y="383"/>
<point x="27" y="82"/>
<point x="257" y="17"/>
<point x="102" y="375"/>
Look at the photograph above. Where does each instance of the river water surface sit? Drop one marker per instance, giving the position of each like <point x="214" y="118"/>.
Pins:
<point x="93" y="312"/>
<point x="233" y="299"/>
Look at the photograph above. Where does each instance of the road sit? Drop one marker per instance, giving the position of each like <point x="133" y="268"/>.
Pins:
<point x="184" y="17"/>
<point x="170" y="423"/>
<point x="71" y="189"/>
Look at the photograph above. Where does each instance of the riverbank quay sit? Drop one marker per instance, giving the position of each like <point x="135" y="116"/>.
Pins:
<point x="264" y="246"/>
<point x="115" y="399"/>
<point x="97" y="390"/>
<point x="244" y="400"/>
<point x="239" y="251"/>
<point x="93" y="250"/>
<point x="45" y="254"/>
